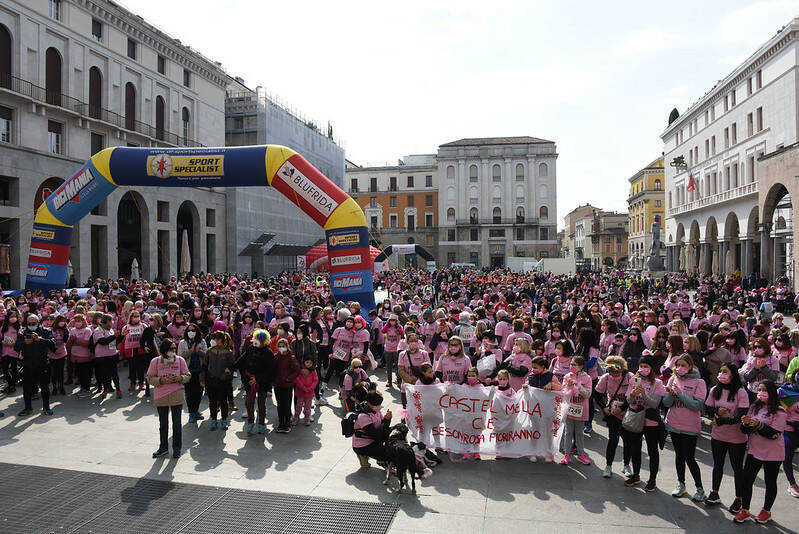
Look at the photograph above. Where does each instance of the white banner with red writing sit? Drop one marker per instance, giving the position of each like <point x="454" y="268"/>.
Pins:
<point x="464" y="419"/>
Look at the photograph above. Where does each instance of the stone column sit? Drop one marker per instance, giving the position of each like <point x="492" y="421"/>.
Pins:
<point x="724" y="246"/>
<point x="766" y="251"/>
<point x="706" y="259"/>
<point x="746" y="259"/>
<point x="669" y="250"/>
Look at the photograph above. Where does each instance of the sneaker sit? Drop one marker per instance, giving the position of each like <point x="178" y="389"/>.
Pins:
<point x="763" y="517"/>
<point x="119" y="393"/>
<point x="294" y="421"/>
<point x="699" y="496"/>
<point x="632" y="480"/>
<point x="565" y="459"/>
<point x="584" y="459"/>
<point x="741" y="516"/>
<point x="608" y="472"/>
<point x="793" y="489"/>
<point x="533" y="459"/>
<point x="160" y="452"/>
<point x="176" y="454"/>
<point x="310" y="418"/>
<point x="212" y="425"/>
<point x="261" y="429"/>
<point x="712" y="499"/>
<point x="735" y="507"/>
<point x="679" y="491"/>
<point x="47" y="411"/>
<point x="25" y="412"/>
<point x="142" y="387"/>
<point x="626" y="471"/>
<point x="192" y="418"/>
<point x="587" y="428"/>
<point x="250" y="426"/>
<point x="225" y="424"/>
<point x="650" y="486"/>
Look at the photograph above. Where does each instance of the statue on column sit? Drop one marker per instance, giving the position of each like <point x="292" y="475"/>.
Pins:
<point x="655" y="262"/>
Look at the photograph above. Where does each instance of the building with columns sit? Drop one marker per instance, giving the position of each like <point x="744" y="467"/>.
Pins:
<point x="79" y="76"/>
<point x="719" y="219"/>
<point x="645" y="206"/>
<point x="497" y="198"/>
<point x="400" y="203"/>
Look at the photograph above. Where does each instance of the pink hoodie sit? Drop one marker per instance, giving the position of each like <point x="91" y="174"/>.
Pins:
<point x="304" y="385"/>
<point x="78" y="342"/>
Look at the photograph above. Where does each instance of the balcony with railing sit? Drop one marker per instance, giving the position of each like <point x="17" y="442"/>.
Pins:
<point x="724" y="196"/>
<point x="40" y="94"/>
<point x="491" y="220"/>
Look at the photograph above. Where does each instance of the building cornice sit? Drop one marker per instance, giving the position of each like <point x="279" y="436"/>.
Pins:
<point x="784" y="37"/>
<point x="169" y="47"/>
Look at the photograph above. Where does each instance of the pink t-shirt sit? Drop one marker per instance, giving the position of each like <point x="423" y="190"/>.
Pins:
<point x="560" y="366"/>
<point x="364" y="420"/>
<point x="9" y="339"/>
<point x="728" y="433"/>
<point x="407" y="359"/>
<point x="60" y="346"/>
<point x="160" y="368"/>
<point x="761" y="447"/>
<point x="391" y="336"/>
<point x="578" y="404"/>
<point x="616" y="387"/>
<point x="520" y="359"/>
<point x="453" y="371"/>
<point x="507" y="344"/>
<point x="652" y="389"/>
<point x="79" y="344"/>
<point x="680" y="417"/>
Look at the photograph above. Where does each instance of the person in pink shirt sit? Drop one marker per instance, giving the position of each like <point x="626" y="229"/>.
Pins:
<point x="452" y="367"/>
<point x="765" y="424"/>
<point x="371" y="430"/>
<point x="645" y="393"/>
<point x="137" y="361"/>
<point x="614" y="385"/>
<point x="427" y="329"/>
<point x="442" y="334"/>
<point x="168" y="373"/>
<point x="503" y="328"/>
<point x="760" y="365"/>
<point x="304" y="387"/>
<point x="588" y="347"/>
<point x="503" y="384"/>
<point x="783" y="351"/>
<point x="576" y="390"/>
<point x="685" y="397"/>
<point x="354" y="379"/>
<point x="10" y="329"/>
<point x="58" y="357"/>
<point x="561" y="363"/>
<point x="103" y="345"/>
<point x="518" y="333"/>
<point x="726" y="404"/>
<point x="177" y="327"/>
<point x="410" y="362"/>
<point x="518" y="364"/>
<point x="791" y="436"/>
<point x="609" y="330"/>
<point x="738" y="351"/>
<point x="392" y="333"/>
<point x="78" y="346"/>
<point x="426" y="375"/>
<point x="555" y="334"/>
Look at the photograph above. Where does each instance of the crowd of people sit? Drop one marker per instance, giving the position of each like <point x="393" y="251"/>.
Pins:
<point x="653" y="358"/>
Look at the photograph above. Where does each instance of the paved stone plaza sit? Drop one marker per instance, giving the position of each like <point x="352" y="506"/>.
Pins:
<point x="118" y="437"/>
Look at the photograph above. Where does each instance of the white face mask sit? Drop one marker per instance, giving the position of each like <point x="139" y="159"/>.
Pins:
<point x="191" y="334"/>
<point x="213" y="343"/>
<point x="282" y="350"/>
<point x="299" y="336"/>
<point x="170" y="354"/>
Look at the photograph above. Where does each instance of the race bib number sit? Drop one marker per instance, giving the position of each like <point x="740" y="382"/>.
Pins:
<point x="575" y="410"/>
<point x="340" y="354"/>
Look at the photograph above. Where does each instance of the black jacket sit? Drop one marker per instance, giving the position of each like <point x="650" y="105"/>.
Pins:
<point x="259" y="362"/>
<point x="34" y="354"/>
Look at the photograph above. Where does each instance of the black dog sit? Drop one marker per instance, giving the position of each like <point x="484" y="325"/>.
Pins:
<point x="402" y="458"/>
<point x="429" y="457"/>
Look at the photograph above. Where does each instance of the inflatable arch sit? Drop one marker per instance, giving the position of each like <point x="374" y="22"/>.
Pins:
<point x="265" y="165"/>
<point x="406" y="249"/>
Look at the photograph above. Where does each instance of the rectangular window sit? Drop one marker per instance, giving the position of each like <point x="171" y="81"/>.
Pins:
<point x="373" y="202"/>
<point x="373" y="185"/>
<point x="450" y="235"/>
<point x="474" y="234"/>
<point x="55" y="9"/>
<point x="496" y="232"/>
<point x="97" y="30"/>
<point x="392" y="221"/>
<point x="474" y="258"/>
<point x="732" y="98"/>
<point x="707" y="117"/>
<point x="410" y="181"/>
<point x="186" y="77"/>
<point x="410" y="200"/>
<point x="373" y="220"/>
<point x="411" y="223"/>
<point x="520" y="234"/>
<point x="428" y="181"/>
<point x="658" y="203"/>
<point x="759" y="119"/>
<point x="751" y="169"/>
<point x="707" y="148"/>
<point x="713" y="113"/>
<point x="543" y="234"/>
<point x="726" y="102"/>
<point x="428" y="201"/>
<point x="6" y="115"/>
<point x="353" y="185"/>
<point x="131" y="48"/>
<point x="734" y="133"/>
<point x="749" y="86"/>
<point x="163" y="211"/>
<point x="392" y="183"/>
<point x="55" y="132"/>
<point x="750" y="125"/>
<point x="210" y="217"/>
<point x="451" y="256"/>
<point x="428" y="219"/>
<point x="98" y="143"/>
<point x="759" y="80"/>
<point x="161" y="65"/>
<point x="713" y="145"/>
<point x="727" y="137"/>
<point x="393" y="202"/>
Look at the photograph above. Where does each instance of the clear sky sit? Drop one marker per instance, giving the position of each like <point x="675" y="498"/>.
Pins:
<point x="397" y="78"/>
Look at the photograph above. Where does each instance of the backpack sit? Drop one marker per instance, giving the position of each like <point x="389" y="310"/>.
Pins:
<point x="348" y="424"/>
